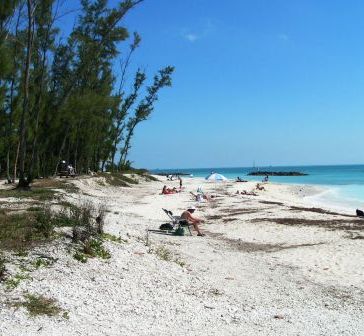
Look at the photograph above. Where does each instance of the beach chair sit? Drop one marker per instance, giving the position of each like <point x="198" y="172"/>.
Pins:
<point x="177" y="221"/>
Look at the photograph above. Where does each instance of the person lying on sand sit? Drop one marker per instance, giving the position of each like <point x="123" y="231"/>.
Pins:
<point x="168" y="191"/>
<point x="244" y="192"/>
<point x="187" y="215"/>
<point x="199" y="197"/>
<point x="238" y="179"/>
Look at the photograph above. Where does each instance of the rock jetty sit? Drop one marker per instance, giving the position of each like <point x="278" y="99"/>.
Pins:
<point x="278" y="173"/>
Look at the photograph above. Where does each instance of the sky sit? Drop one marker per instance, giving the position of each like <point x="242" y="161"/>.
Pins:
<point x="275" y="82"/>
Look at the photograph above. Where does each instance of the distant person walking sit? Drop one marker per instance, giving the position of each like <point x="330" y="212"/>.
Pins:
<point x="180" y="182"/>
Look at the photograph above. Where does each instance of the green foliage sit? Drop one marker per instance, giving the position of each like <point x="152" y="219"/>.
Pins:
<point x="92" y="248"/>
<point x="113" y="238"/>
<point x="39" y="194"/>
<point x="44" y="222"/>
<point x="41" y="262"/>
<point x="73" y="108"/>
<point x="118" y="180"/>
<point x="14" y="282"/>
<point x="164" y="254"/>
<point x="2" y="268"/>
<point x="17" y="231"/>
<point x="80" y="256"/>
<point x="40" y="305"/>
<point x="95" y="248"/>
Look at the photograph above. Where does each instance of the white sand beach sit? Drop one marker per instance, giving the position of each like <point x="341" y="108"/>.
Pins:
<point x="272" y="264"/>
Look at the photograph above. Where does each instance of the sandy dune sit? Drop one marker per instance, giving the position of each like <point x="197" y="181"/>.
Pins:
<point x="269" y="265"/>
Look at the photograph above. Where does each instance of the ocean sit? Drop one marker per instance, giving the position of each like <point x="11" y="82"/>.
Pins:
<point x="343" y="184"/>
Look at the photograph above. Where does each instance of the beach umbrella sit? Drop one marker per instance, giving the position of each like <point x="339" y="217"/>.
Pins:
<point x="216" y="177"/>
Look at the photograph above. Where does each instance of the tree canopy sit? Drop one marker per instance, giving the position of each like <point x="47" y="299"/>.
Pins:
<point x="62" y="100"/>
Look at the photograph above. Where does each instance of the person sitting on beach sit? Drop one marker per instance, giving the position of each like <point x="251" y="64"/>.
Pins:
<point x="187" y="215"/>
<point x="167" y="191"/>
<point x="259" y="187"/>
<point x="70" y="170"/>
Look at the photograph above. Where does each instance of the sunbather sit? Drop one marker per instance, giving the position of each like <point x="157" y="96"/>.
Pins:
<point x="259" y="187"/>
<point x="200" y="197"/>
<point x="187" y="215"/>
<point x="167" y="191"/>
<point x="244" y="192"/>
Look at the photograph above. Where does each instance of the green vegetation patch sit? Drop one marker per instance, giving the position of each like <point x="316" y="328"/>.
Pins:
<point x="164" y="254"/>
<point x="113" y="238"/>
<point x="18" y="231"/>
<point x="39" y="194"/>
<point x="41" y="262"/>
<point x="92" y="248"/>
<point x="2" y="268"/>
<point x="55" y="183"/>
<point x="37" y="305"/>
<point x="140" y="172"/>
<point x="14" y="282"/>
<point x="118" y="180"/>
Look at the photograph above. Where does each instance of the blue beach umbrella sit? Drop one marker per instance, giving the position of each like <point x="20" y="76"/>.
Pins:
<point x="216" y="177"/>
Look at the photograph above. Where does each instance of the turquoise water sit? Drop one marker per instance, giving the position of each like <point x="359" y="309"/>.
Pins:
<point x="345" y="183"/>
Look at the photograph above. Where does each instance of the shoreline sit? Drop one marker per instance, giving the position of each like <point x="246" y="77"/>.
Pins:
<point x="310" y="194"/>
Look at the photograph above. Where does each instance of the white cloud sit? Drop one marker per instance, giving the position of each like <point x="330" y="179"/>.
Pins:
<point x="191" y="37"/>
<point x="206" y="27"/>
<point x="283" y="37"/>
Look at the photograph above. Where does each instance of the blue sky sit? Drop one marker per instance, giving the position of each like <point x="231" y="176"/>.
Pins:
<point x="278" y="82"/>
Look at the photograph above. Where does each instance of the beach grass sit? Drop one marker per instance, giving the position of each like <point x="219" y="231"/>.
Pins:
<point x="37" y="305"/>
<point x="17" y="231"/>
<point x="39" y="194"/>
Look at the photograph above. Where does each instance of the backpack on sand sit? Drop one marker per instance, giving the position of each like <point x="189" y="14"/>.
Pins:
<point x="359" y="213"/>
<point x="166" y="227"/>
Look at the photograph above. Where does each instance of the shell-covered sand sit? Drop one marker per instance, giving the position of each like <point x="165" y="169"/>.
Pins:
<point x="268" y="265"/>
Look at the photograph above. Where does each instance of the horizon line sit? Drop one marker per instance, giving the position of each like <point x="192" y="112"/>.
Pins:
<point x="264" y="166"/>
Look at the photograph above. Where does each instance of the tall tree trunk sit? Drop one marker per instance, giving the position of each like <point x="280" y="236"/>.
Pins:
<point x="38" y="105"/>
<point x="23" y="127"/>
<point x="11" y="112"/>
<point x="8" y="166"/>
<point x="16" y="161"/>
<point x="61" y="150"/>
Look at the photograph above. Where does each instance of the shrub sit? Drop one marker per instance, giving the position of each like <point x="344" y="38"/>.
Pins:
<point x="84" y="225"/>
<point x="40" y="305"/>
<point x="92" y="248"/>
<point x="14" y="282"/>
<point x="17" y="231"/>
<point x="40" y="262"/>
<point x="81" y="218"/>
<point x="80" y="256"/>
<point x="2" y="269"/>
<point x="113" y="238"/>
<point x="100" y="219"/>
<point x="45" y="222"/>
<point x="165" y="254"/>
